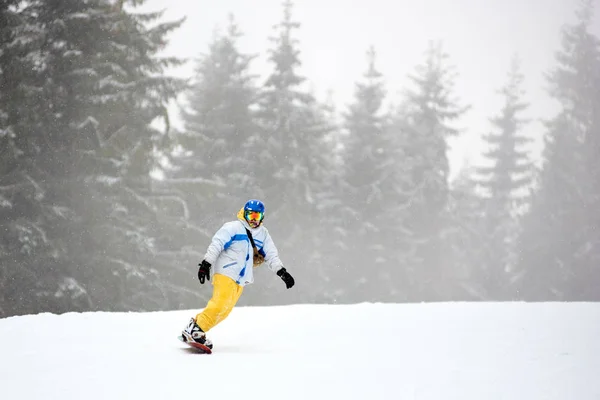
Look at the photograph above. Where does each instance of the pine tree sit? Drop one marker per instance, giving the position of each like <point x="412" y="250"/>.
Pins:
<point x="291" y="159"/>
<point x="211" y="174"/>
<point x="468" y="237"/>
<point x="430" y="110"/>
<point x="283" y="110"/>
<point x="370" y="163"/>
<point x="219" y="129"/>
<point x="89" y="151"/>
<point x="560" y="247"/>
<point x="506" y="182"/>
<point x="25" y="243"/>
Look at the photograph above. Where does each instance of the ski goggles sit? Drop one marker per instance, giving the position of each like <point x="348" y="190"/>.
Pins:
<point x="254" y="215"/>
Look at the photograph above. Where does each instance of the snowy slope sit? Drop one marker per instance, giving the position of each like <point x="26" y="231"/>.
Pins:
<point x="459" y="351"/>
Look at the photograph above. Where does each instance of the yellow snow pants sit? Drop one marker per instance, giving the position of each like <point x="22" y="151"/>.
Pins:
<point x="225" y="295"/>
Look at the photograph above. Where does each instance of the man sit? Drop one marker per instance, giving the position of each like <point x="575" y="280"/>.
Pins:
<point x="236" y="248"/>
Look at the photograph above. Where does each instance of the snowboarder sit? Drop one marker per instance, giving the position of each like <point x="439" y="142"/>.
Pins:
<point x="230" y="251"/>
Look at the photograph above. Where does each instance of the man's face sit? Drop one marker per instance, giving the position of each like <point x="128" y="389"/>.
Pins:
<point x="254" y="218"/>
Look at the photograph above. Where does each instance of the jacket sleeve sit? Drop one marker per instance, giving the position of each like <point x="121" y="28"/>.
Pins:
<point x="271" y="254"/>
<point x="218" y="243"/>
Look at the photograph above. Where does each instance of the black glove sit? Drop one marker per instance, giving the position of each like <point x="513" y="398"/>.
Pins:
<point x="286" y="277"/>
<point x="204" y="271"/>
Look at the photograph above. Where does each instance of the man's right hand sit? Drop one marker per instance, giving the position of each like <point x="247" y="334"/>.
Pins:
<point x="204" y="271"/>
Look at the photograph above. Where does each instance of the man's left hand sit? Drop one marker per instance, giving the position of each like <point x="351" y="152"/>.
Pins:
<point x="286" y="277"/>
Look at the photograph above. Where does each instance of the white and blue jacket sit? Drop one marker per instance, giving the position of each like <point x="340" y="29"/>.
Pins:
<point x="230" y="251"/>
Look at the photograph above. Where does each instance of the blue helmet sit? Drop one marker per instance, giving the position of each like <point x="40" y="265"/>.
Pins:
<point x="254" y="212"/>
<point x="254" y="205"/>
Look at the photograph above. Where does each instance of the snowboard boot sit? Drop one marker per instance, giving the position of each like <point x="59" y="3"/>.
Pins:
<point x="193" y="333"/>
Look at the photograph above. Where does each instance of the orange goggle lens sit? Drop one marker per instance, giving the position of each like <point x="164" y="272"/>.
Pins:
<point x="253" y="215"/>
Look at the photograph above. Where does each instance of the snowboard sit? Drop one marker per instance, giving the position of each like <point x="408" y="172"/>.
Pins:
<point x="200" y="347"/>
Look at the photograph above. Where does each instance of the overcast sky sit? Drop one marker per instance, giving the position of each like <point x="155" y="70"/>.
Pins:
<point x="479" y="35"/>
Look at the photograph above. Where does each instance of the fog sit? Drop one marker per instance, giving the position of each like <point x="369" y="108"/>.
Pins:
<point x="480" y="37"/>
<point x="405" y="151"/>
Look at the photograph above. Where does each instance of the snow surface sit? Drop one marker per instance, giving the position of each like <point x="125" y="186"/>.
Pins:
<point x="461" y="351"/>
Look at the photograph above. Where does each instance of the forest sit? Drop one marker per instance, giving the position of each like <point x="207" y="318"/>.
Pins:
<point x="105" y="206"/>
